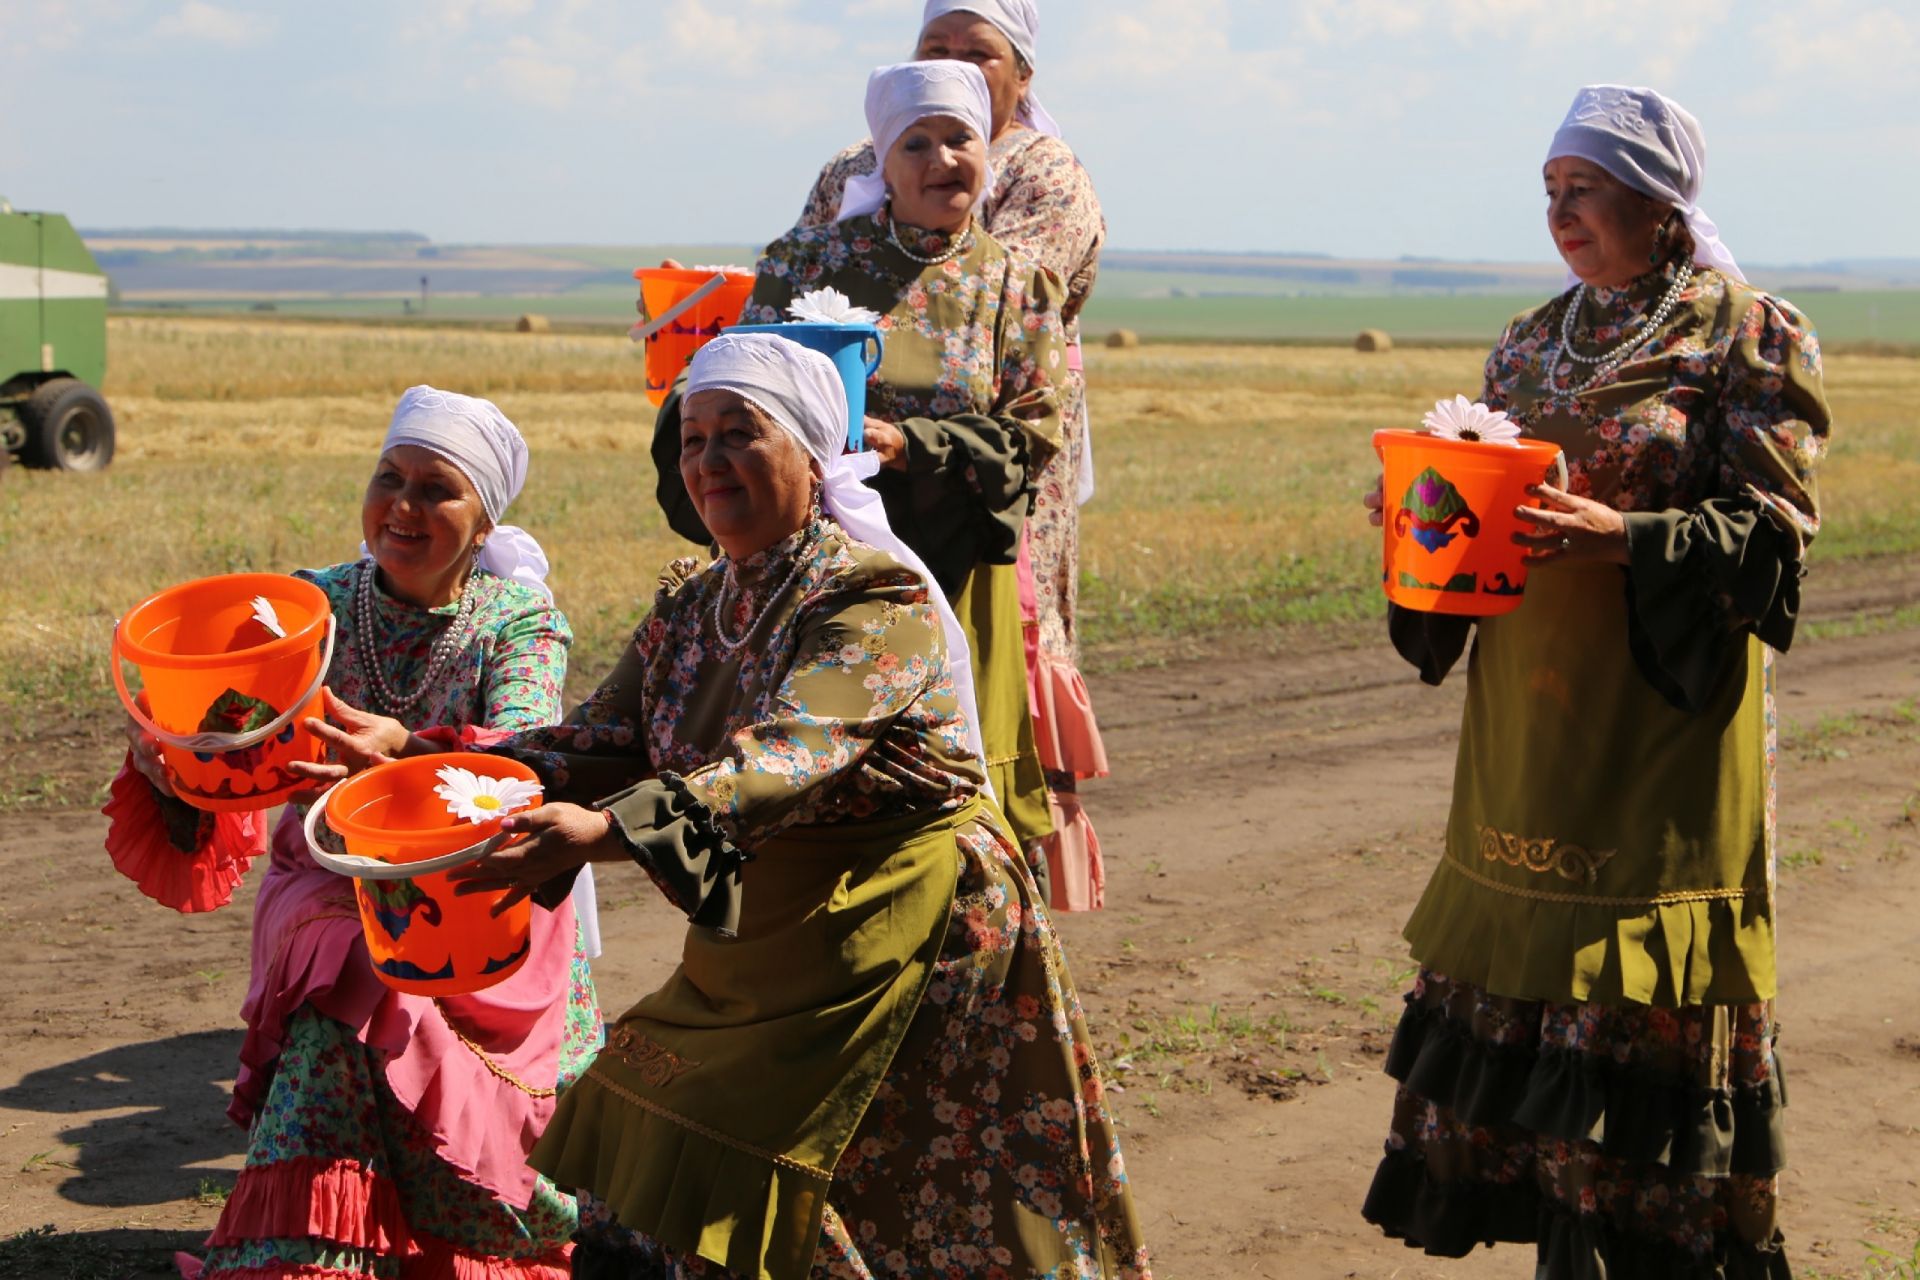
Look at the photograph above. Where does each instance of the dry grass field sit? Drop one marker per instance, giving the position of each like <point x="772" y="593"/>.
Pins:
<point x="1226" y="503"/>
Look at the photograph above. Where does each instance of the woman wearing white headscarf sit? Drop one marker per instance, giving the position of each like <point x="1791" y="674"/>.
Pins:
<point x="389" y="1132"/>
<point x="1587" y="1060"/>
<point x="1041" y="204"/>
<point x="871" y="1059"/>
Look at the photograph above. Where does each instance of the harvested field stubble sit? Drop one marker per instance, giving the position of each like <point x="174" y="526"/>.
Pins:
<point x="1228" y="483"/>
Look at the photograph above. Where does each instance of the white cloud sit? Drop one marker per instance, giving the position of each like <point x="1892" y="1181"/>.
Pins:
<point x="198" y="20"/>
<point x="1867" y="51"/>
<point x="528" y="75"/>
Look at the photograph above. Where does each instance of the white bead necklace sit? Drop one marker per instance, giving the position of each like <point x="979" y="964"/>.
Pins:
<point x="961" y="243"/>
<point x="438" y="656"/>
<point x="1609" y="361"/>
<point x="730" y="645"/>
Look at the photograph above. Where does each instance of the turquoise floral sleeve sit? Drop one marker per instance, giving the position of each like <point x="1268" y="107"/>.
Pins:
<point x="528" y="670"/>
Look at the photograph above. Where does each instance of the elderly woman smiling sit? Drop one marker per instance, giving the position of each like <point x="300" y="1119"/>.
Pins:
<point x="1588" y="1060"/>
<point x="871" y="1059"/>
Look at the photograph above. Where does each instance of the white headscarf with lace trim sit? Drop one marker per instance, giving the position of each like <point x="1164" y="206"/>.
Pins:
<point x="1019" y="22"/>
<point x="1652" y="144"/>
<point x="899" y="97"/>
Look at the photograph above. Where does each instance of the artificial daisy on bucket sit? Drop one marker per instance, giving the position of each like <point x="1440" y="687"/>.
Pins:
<point x="477" y="798"/>
<point x="1461" y="419"/>
<point x="830" y="306"/>
<point x="264" y="615"/>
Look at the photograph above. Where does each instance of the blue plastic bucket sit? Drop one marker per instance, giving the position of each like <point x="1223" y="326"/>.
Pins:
<point x="846" y="346"/>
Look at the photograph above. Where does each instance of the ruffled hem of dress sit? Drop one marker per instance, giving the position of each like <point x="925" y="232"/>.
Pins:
<point x="1076" y="873"/>
<point x="1666" y="953"/>
<point x="347" y="1205"/>
<point x="200" y="880"/>
<point x="1630" y="1112"/>
<point x="1448" y="1220"/>
<point x="690" y="1190"/>
<point x="1064" y="728"/>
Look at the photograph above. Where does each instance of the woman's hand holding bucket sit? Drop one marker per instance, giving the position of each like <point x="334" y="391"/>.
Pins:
<point x="356" y="740"/>
<point x="143" y="751"/>
<point x="557" y="838"/>
<point x="886" y="440"/>
<point x="1579" y="529"/>
<point x="1375" y="501"/>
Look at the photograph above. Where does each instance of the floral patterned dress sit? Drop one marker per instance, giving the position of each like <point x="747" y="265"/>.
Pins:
<point x="1588" y="1058"/>
<point x="344" y="1180"/>
<point x="1043" y="205"/>
<point x="970" y="372"/>
<point x="782" y="750"/>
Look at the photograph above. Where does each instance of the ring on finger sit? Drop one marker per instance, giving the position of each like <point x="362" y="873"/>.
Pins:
<point x="1566" y="544"/>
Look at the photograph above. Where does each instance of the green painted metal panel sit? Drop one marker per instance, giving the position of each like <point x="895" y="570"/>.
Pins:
<point x="19" y="294"/>
<point x="73" y="315"/>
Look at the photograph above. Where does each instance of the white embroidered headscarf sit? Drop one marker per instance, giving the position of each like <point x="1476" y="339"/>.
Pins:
<point x="476" y="437"/>
<point x="801" y="391"/>
<point x="1019" y="22"/>
<point x="1652" y="144"/>
<point x="899" y="97"/>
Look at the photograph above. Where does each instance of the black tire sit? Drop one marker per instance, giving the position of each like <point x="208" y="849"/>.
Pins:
<point x="69" y="427"/>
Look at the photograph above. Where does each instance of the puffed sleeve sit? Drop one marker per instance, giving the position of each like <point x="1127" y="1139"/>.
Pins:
<point x="866" y="654"/>
<point x="1701" y="577"/>
<point x="528" y="667"/>
<point x="823" y="202"/>
<point x="969" y="481"/>
<point x="1049" y="211"/>
<point x="1433" y="642"/>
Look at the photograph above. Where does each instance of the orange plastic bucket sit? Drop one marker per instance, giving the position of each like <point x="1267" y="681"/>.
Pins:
<point x="1449" y="519"/>
<point x="225" y="695"/>
<point x="681" y="323"/>
<point x="424" y="939"/>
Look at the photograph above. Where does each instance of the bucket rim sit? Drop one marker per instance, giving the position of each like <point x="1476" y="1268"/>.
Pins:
<point x="687" y="275"/>
<point x="305" y="637"/>
<point x="832" y="326"/>
<point x="347" y="789"/>
<point x="1520" y="448"/>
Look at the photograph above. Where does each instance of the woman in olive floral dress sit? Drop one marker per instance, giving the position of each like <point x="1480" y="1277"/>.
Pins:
<point x="1588" y="1059"/>
<point x="388" y="1132"/>
<point x="1042" y="205"/>
<point x="871" y="1060"/>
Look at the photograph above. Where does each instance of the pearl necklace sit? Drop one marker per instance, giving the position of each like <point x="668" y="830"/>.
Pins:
<point x="439" y="655"/>
<point x="1607" y="362"/>
<point x="730" y="645"/>
<point x="961" y="243"/>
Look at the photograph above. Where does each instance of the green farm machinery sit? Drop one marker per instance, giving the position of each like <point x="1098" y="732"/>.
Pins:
<point x="53" y="345"/>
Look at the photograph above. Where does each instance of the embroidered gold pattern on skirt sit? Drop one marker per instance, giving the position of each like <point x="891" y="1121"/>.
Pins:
<point x="657" y="1065"/>
<point x="1544" y="853"/>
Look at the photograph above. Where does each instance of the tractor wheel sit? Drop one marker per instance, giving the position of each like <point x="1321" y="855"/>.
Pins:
<point x="69" y="427"/>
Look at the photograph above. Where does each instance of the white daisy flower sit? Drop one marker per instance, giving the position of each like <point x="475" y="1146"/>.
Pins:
<point x="481" y="799"/>
<point x="1458" y="419"/>
<point x="264" y="615"/>
<point x="830" y="306"/>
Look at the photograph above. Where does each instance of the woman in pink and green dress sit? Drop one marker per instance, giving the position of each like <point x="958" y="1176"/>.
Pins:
<point x="388" y="1133"/>
<point x="1588" y="1059"/>
<point x="1042" y="206"/>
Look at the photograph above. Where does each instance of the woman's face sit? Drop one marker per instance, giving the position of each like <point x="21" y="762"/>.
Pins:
<point x="934" y="173"/>
<point x="968" y="37"/>
<point x="422" y="519"/>
<point x="1603" y="228"/>
<point x="750" y="480"/>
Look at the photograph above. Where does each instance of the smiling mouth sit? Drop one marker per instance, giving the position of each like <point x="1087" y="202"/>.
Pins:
<point x="402" y="535"/>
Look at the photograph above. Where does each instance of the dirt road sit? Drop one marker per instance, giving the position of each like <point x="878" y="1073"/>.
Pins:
<point x="1270" y="822"/>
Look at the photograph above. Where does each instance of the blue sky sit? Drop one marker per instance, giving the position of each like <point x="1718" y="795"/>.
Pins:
<point x="1351" y="127"/>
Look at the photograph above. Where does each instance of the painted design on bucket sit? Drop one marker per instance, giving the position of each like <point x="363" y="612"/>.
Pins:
<point x="1433" y="508"/>
<point x="236" y="712"/>
<point x="507" y="962"/>
<point x="1502" y="586"/>
<point x="408" y="971"/>
<point x="1542" y="854"/>
<point x="394" y="903"/>
<point x="1459" y="583"/>
<point x="658" y="1065"/>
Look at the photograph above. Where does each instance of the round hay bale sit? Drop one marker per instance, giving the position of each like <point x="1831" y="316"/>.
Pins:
<point x="531" y="323"/>
<point x="1373" y="340"/>
<point x="1123" y="339"/>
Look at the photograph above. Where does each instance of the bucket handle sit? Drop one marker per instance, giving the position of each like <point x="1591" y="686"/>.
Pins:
<point x="364" y="868"/>
<point x="206" y="742"/>
<point x="1557" y="473"/>
<point x="641" y="332"/>
<point x="873" y="361"/>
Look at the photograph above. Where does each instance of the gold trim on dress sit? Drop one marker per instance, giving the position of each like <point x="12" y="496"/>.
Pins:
<point x="694" y="1126"/>
<point x="1545" y="853"/>
<point x="487" y="1061"/>
<point x="1656" y="900"/>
